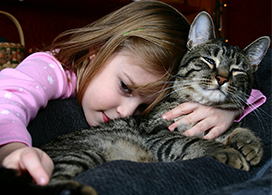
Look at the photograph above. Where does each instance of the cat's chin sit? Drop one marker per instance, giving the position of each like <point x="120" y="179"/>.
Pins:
<point x="214" y="96"/>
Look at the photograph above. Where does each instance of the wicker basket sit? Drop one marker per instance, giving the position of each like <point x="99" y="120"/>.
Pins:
<point x="11" y="54"/>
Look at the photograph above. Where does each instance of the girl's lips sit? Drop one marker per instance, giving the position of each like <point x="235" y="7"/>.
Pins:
<point x="105" y="117"/>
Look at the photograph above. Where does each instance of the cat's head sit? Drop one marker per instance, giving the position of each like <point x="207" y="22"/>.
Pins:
<point x="213" y="72"/>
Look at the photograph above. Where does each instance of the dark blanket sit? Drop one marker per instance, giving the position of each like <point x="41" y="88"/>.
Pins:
<point x="197" y="176"/>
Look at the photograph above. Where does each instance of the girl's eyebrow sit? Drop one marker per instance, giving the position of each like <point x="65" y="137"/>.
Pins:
<point x="129" y="78"/>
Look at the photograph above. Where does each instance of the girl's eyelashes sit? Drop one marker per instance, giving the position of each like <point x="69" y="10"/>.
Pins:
<point x="125" y="88"/>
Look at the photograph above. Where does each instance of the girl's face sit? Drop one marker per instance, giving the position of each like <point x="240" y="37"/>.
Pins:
<point x="108" y="96"/>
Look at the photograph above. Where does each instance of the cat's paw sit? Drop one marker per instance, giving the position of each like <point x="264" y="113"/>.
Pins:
<point x="70" y="188"/>
<point x="248" y="144"/>
<point x="231" y="157"/>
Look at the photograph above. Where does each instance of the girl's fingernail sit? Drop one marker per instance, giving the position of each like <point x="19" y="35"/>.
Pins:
<point x="164" y="116"/>
<point x="171" y="128"/>
<point x="42" y="181"/>
<point x="185" y="133"/>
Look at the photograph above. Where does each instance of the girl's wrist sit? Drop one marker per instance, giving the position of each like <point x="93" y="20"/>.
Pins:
<point x="6" y="149"/>
<point x="239" y="114"/>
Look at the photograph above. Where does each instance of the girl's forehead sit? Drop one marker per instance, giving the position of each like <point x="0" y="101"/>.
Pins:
<point x="135" y="59"/>
<point x="138" y="75"/>
<point x="131" y="68"/>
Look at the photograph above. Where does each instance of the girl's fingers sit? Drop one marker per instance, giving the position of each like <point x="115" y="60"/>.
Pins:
<point x="32" y="162"/>
<point x="214" y="133"/>
<point x="187" y="120"/>
<point x="202" y="118"/>
<point x="198" y="113"/>
<point x="180" y="110"/>
<point x="199" y="128"/>
<point x="47" y="164"/>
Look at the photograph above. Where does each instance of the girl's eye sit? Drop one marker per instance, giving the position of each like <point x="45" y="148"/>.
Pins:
<point x="210" y="61"/>
<point x="125" y="88"/>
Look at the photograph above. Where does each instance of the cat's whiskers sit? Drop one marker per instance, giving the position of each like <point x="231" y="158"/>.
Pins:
<point x="182" y="87"/>
<point x="256" y="110"/>
<point x="260" y="118"/>
<point x="170" y="87"/>
<point x="162" y="90"/>
<point x="239" y="103"/>
<point x="239" y="99"/>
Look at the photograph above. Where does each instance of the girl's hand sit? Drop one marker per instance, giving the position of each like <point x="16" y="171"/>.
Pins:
<point x="206" y="118"/>
<point x="33" y="160"/>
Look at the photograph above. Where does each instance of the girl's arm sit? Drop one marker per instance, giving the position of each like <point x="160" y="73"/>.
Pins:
<point x="23" y="91"/>
<point x="208" y="118"/>
<point x="28" y="88"/>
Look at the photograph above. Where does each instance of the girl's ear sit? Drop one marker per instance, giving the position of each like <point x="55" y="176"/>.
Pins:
<point x="201" y="30"/>
<point x="92" y="57"/>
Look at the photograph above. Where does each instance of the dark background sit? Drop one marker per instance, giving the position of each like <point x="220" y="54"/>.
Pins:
<point x="43" y="20"/>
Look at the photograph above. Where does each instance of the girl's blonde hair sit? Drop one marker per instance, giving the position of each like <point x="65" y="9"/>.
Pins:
<point x="152" y="30"/>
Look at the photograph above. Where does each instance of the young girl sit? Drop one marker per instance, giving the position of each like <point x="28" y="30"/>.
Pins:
<point x="117" y="66"/>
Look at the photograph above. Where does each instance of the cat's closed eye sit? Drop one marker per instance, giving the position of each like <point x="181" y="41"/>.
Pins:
<point x="210" y="62"/>
<point x="235" y="71"/>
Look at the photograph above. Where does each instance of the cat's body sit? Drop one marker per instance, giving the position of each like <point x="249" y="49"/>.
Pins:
<point x="211" y="73"/>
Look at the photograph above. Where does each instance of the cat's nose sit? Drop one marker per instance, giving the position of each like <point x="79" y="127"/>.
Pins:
<point x="221" y="80"/>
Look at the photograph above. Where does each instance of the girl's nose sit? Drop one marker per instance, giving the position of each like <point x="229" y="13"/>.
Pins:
<point x="126" y="110"/>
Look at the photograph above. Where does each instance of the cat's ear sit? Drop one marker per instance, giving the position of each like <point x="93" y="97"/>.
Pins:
<point x="256" y="50"/>
<point x="201" y="30"/>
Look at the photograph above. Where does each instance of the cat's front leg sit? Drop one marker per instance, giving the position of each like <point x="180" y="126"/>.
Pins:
<point x="244" y="140"/>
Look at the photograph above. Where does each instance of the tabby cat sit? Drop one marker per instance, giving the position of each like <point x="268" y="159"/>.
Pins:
<point x="211" y="73"/>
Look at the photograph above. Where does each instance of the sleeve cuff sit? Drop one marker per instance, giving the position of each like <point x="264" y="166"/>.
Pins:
<point x="255" y="100"/>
